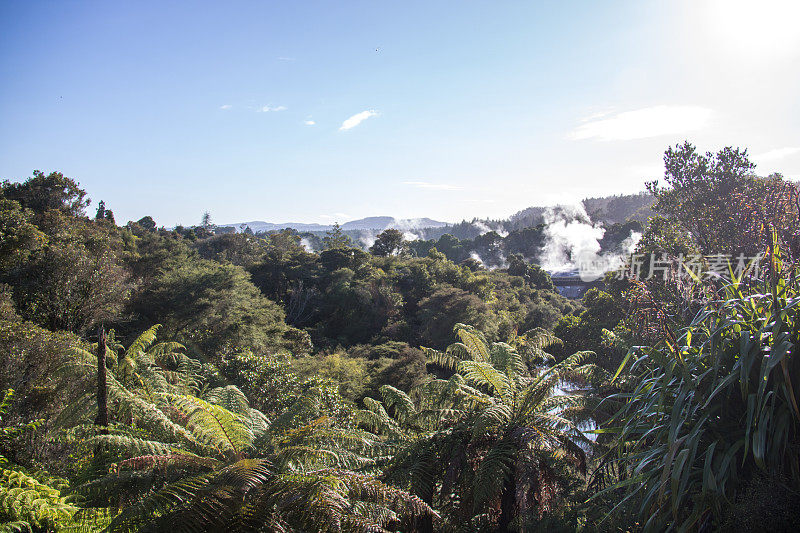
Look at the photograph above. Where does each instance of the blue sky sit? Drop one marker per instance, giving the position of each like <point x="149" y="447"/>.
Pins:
<point x="322" y="111"/>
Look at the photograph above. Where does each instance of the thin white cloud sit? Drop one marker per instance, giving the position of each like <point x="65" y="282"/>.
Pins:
<point x="597" y="116"/>
<point x="225" y="107"/>
<point x="778" y="153"/>
<point x="337" y="216"/>
<point x="309" y="122"/>
<point x="284" y="58"/>
<point x="435" y="186"/>
<point x="646" y="172"/>
<point x="269" y="108"/>
<point x="357" y="119"/>
<point x="643" y="123"/>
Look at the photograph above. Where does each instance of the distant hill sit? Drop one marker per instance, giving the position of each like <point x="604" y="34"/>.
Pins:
<point x="261" y="226"/>
<point x="531" y="216"/>
<point x="369" y="223"/>
<point x="379" y="223"/>
<point x="620" y="208"/>
<point x="606" y="210"/>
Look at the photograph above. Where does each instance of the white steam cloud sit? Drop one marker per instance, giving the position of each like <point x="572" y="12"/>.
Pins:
<point x="305" y="243"/>
<point x="367" y="238"/>
<point x="485" y="228"/>
<point x="629" y="244"/>
<point x="499" y="262"/>
<point x="476" y="257"/>
<point x="573" y="244"/>
<point x="569" y="234"/>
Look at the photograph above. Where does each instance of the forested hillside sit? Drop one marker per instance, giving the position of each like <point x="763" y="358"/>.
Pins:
<point x="192" y="379"/>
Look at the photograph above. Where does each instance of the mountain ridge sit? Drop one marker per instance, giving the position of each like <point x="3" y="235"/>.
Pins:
<point x="607" y="210"/>
<point x="368" y="223"/>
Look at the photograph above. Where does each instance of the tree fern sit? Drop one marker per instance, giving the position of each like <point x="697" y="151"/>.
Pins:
<point x="501" y="428"/>
<point x="31" y="505"/>
<point x="26" y="503"/>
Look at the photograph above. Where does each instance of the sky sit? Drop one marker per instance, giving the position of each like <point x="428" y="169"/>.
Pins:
<point x="300" y="111"/>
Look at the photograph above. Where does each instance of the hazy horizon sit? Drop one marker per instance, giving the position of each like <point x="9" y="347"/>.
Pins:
<point x="321" y="112"/>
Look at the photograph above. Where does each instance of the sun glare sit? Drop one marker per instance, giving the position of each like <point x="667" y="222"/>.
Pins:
<point x="764" y="29"/>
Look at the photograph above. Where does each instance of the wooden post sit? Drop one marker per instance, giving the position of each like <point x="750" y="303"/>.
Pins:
<point x="102" y="392"/>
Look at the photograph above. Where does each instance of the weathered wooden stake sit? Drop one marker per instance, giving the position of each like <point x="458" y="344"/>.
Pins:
<point x="102" y="392"/>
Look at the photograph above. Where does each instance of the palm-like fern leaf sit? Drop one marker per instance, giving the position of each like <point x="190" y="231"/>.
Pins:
<point x="143" y="341"/>
<point x="484" y="374"/>
<point x="474" y="341"/>
<point x="30" y="504"/>
<point x="402" y="404"/>
<point x="214" y="425"/>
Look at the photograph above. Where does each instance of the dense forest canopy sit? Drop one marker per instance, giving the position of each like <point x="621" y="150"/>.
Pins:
<point x="198" y="379"/>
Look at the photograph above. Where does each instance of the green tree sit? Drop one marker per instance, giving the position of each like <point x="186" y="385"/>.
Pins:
<point x="103" y="213"/>
<point x="214" y="310"/>
<point x="184" y="462"/>
<point x="301" y="485"/>
<point x="147" y="223"/>
<point x="205" y="222"/>
<point x="389" y="242"/>
<point x="356" y="310"/>
<point x="445" y="308"/>
<point x="78" y="278"/>
<point x="703" y="194"/>
<point x="41" y="193"/>
<point x="585" y="331"/>
<point x="452" y="248"/>
<point x="75" y="282"/>
<point x="19" y="237"/>
<point x="335" y="238"/>
<point x="533" y="274"/>
<point x="237" y="248"/>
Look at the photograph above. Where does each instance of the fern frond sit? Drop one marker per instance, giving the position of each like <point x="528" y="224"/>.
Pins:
<point x="214" y="425"/>
<point x="143" y="341"/>
<point x="231" y="398"/>
<point x="491" y="420"/>
<point x="475" y="342"/>
<point x="172" y="460"/>
<point x="135" y="517"/>
<point x="167" y="351"/>
<point x="28" y="503"/>
<point x="375" y="419"/>
<point x="128" y="446"/>
<point x="442" y="359"/>
<point x="484" y="374"/>
<point x="539" y="338"/>
<point x="492" y="473"/>
<point x="506" y="358"/>
<point x="402" y="404"/>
